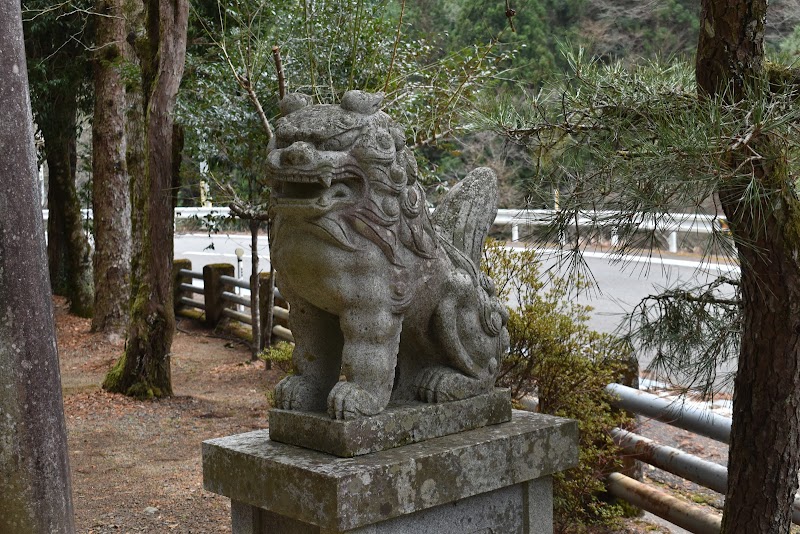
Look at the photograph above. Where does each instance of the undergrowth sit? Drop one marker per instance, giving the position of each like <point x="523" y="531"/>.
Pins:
<point x="557" y="359"/>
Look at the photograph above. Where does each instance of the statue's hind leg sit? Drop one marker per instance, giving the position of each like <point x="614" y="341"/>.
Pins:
<point x="369" y="356"/>
<point x="469" y="361"/>
<point x="316" y="359"/>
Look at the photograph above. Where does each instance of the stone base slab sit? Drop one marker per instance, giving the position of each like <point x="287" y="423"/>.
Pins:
<point x="327" y="494"/>
<point x="525" y="508"/>
<point x="398" y="425"/>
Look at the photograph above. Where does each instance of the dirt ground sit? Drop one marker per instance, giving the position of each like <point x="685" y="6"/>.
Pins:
<point x="136" y="465"/>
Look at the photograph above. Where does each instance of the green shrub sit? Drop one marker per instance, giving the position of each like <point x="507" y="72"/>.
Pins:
<point x="557" y="358"/>
<point x="279" y="355"/>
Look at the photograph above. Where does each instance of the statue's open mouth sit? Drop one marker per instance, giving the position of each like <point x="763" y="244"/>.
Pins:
<point x="320" y="190"/>
<point x="311" y="188"/>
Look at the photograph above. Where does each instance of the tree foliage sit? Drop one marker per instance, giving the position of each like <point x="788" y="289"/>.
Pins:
<point x="326" y="47"/>
<point x="557" y="358"/>
<point x="726" y="131"/>
<point x="605" y="137"/>
<point x="57" y="41"/>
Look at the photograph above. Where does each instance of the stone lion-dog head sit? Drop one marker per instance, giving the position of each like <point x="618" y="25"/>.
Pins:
<point x="348" y="167"/>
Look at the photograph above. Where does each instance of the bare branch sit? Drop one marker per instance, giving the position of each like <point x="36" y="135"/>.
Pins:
<point x="396" y="43"/>
<point x="276" y="54"/>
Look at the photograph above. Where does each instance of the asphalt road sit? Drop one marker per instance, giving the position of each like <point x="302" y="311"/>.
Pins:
<point x="202" y="250"/>
<point x="619" y="285"/>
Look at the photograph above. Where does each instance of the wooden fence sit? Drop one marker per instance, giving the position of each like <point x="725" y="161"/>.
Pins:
<point x="217" y="299"/>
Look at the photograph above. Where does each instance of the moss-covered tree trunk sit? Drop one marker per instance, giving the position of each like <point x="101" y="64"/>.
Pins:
<point x="68" y="251"/>
<point x="765" y="440"/>
<point x="110" y="184"/>
<point x="144" y="369"/>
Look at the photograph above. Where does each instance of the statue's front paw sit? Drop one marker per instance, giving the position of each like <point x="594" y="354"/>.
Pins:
<point x="443" y="384"/>
<point x="297" y="393"/>
<point x="349" y="401"/>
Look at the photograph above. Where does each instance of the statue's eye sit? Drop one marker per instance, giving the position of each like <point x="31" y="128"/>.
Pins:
<point x="345" y="122"/>
<point x="285" y="133"/>
<point x="384" y="140"/>
<point x="339" y="142"/>
<point x="332" y="144"/>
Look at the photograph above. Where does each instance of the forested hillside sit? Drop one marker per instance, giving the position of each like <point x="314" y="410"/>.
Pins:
<point x="451" y="55"/>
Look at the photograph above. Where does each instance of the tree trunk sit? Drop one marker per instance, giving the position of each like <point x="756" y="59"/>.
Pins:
<point x="255" y="315"/>
<point x="135" y="139"/>
<point x="68" y="251"/>
<point x="764" y="454"/>
<point x="35" y="490"/>
<point x="111" y="187"/>
<point x="144" y="369"/>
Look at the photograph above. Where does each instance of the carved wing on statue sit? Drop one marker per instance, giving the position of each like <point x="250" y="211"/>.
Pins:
<point x="465" y="215"/>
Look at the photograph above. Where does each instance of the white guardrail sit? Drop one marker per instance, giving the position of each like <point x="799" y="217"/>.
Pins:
<point x="669" y="224"/>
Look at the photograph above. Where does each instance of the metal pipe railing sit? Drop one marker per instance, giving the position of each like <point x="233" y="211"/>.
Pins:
<point x="280" y="313"/>
<point x="244" y="284"/>
<point x="675" y="413"/>
<point x="239" y="316"/>
<point x="192" y="289"/>
<point x="190" y="274"/>
<point x="683" y="222"/>
<point x="674" y="510"/>
<point x="238" y="299"/>
<point x="712" y="476"/>
<point x="707" y="474"/>
<point x="192" y="303"/>
<point x="283" y="333"/>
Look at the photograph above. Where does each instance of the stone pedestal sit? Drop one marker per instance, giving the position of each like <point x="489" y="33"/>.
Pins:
<point x="494" y="479"/>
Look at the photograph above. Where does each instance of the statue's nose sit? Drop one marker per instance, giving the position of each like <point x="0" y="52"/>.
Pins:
<point x="298" y="153"/>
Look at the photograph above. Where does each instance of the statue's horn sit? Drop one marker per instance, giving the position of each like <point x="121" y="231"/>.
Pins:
<point x="292" y="102"/>
<point x="362" y="102"/>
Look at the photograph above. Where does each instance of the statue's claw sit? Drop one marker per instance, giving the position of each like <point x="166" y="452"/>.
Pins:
<point x="349" y="401"/>
<point x="297" y="393"/>
<point x="443" y="384"/>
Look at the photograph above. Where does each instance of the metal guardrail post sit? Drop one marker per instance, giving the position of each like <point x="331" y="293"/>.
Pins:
<point x="672" y="242"/>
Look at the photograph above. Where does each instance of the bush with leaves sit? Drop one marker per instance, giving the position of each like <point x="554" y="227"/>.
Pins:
<point x="556" y="357"/>
<point x="279" y="355"/>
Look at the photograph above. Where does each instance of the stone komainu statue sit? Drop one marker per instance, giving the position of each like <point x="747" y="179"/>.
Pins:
<point x="386" y="301"/>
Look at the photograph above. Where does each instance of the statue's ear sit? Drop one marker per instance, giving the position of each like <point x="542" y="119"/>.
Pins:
<point x="294" y="101"/>
<point x="362" y="102"/>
